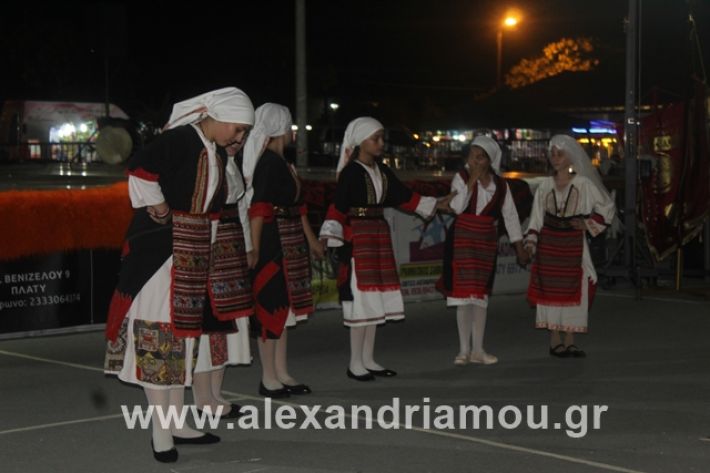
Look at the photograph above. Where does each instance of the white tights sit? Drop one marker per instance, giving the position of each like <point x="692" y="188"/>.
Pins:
<point x="165" y="399"/>
<point x="362" y="350"/>
<point x="471" y="320"/>
<point x="207" y="390"/>
<point x="274" y="367"/>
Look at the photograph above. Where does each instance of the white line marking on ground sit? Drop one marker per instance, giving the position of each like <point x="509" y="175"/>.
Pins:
<point x="61" y="424"/>
<point x="48" y="360"/>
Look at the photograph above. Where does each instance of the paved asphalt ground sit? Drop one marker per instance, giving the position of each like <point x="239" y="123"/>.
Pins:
<point x="648" y="362"/>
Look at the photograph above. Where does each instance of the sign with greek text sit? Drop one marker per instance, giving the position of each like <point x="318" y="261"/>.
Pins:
<point x="56" y="291"/>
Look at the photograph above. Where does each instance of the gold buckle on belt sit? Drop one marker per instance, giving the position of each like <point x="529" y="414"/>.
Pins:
<point x="365" y="212"/>
<point x="286" y="211"/>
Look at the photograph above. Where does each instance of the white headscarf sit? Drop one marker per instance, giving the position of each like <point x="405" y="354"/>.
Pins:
<point x="357" y="131"/>
<point x="492" y="149"/>
<point x="579" y="160"/>
<point x="229" y="105"/>
<point x="272" y="120"/>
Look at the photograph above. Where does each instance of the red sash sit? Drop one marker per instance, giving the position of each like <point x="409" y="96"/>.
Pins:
<point x="229" y="282"/>
<point x="191" y="263"/>
<point x="375" y="266"/>
<point x="556" y="274"/>
<point x="201" y="268"/>
<point x="296" y="261"/>
<point x="474" y="256"/>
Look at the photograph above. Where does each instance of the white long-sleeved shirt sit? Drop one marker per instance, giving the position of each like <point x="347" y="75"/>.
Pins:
<point x="484" y="195"/>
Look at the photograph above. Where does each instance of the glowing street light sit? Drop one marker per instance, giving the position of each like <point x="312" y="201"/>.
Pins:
<point x="510" y="21"/>
<point x="334" y="106"/>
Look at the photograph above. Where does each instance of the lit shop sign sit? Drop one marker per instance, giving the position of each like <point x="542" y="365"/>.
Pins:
<point x="598" y="127"/>
<point x="595" y="130"/>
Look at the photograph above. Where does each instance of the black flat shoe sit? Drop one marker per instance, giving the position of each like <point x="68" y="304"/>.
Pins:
<point x="385" y="373"/>
<point x="360" y="377"/>
<point x="273" y="393"/>
<point x="297" y="389"/>
<point x="559" y="351"/>
<point x="168" y="456"/>
<point x="206" y="439"/>
<point x="234" y="413"/>
<point x="574" y="352"/>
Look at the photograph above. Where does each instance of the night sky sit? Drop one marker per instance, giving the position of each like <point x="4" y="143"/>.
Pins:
<point x="414" y="62"/>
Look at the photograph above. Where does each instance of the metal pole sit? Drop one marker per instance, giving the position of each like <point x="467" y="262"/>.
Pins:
<point x="630" y="140"/>
<point x="706" y="248"/>
<point x="301" y="91"/>
<point x="499" y="57"/>
<point x="106" y="79"/>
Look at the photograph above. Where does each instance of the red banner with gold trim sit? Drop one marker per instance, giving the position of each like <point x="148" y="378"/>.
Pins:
<point x="676" y="190"/>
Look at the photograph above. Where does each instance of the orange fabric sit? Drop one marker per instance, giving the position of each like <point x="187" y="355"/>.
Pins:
<point x="41" y="222"/>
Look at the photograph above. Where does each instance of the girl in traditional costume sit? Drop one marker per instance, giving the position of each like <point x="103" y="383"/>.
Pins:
<point x="182" y="271"/>
<point x="482" y="199"/>
<point x="220" y="345"/>
<point x="567" y="206"/>
<point x="368" y="282"/>
<point x="281" y="237"/>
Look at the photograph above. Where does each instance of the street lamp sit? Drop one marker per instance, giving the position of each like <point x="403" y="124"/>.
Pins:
<point x="509" y="21"/>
